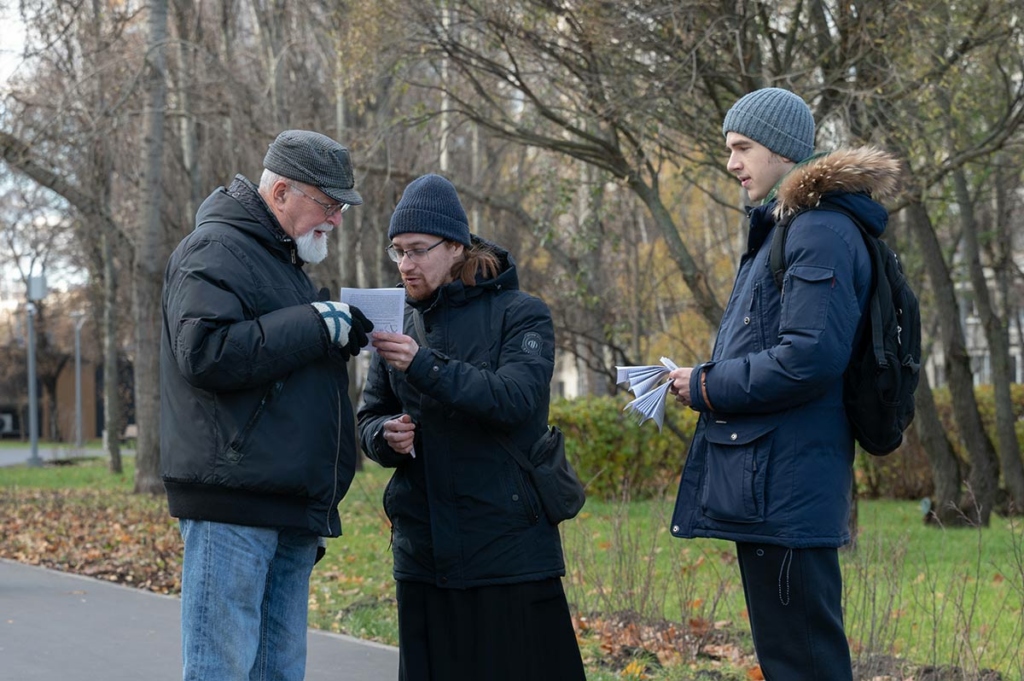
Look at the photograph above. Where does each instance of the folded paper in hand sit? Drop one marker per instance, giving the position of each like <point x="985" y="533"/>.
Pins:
<point x="650" y="400"/>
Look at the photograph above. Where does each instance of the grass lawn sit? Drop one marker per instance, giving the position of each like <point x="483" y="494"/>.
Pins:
<point x="645" y="603"/>
<point x="46" y="445"/>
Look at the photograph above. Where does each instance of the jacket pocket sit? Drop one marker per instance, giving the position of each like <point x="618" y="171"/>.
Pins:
<point x="735" y="470"/>
<point x="806" y="291"/>
<point x="237" y="446"/>
<point x="522" y="493"/>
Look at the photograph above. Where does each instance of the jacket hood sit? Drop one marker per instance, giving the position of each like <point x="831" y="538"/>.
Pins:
<point x="457" y="293"/>
<point x="507" y="276"/>
<point x="856" y="179"/>
<point x="865" y="170"/>
<point x="241" y="206"/>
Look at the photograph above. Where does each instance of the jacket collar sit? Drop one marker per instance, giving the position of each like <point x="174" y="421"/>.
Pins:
<point x="272" y="233"/>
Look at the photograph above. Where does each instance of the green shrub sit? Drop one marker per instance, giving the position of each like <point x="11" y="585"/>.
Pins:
<point x="985" y="396"/>
<point x="615" y="457"/>
<point x="906" y="473"/>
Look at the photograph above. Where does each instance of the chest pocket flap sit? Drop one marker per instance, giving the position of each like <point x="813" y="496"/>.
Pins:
<point x="736" y="432"/>
<point x="807" y="290"/>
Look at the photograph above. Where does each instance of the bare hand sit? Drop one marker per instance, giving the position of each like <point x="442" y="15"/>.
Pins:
<point x="681" y="385"/>
<point x="397" y="349"/>
<point x="399" y="433"/>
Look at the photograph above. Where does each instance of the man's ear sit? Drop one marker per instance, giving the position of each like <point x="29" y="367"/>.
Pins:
<point x="279" y="192"/>
<point x="276" y="199"/>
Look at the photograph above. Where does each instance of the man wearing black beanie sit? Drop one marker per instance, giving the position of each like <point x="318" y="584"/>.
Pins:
<point x="477" y="562"/>
<point x="770" y="462"/>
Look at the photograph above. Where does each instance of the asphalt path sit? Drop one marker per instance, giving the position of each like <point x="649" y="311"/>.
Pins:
<point x="55" y="625"/>
<point x="21" y="455"/>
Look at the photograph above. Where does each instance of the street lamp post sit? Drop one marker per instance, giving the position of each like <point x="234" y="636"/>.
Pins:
<point x="33" y="416"/>
<point x="36" y="291"/>
<point x="79" y="318"/>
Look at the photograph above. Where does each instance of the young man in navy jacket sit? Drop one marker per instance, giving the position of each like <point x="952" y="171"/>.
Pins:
<point x="770" y="463"/>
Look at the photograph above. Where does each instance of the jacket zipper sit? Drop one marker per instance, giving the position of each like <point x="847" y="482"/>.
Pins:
<point x="337" y="459"/>
<point x="235" y="448"/>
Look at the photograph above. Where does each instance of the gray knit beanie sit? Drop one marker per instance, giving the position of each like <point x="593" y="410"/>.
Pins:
<point x="430" y="205"/>
<point x="776" y="118"/>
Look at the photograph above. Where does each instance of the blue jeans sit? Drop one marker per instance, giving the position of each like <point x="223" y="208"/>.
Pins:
<point x="244" y="602"/>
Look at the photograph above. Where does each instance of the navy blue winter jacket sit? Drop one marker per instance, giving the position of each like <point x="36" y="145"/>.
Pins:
<point x="771" y="457"/>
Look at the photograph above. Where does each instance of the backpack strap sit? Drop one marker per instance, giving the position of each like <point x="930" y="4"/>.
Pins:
<point x="517" y="454"/>
<point x="777" y="255"/>
<point x="880" y="290"/>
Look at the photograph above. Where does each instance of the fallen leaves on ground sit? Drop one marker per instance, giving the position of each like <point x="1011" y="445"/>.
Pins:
<point x="120" y="537"/>
<point x="638" y="646"/>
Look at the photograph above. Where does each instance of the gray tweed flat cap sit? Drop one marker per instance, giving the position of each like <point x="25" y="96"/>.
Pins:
<point x="314" y="159"/>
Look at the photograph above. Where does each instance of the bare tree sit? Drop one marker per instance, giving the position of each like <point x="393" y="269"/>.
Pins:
<point x="58" y="130"/>
<point x="34" y="237"/>
<point x="1000" y="248"/>
<point x="151" y="253"/>
<point x="998" y="341"/>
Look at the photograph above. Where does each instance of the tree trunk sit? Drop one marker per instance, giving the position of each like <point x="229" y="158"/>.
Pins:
<point x="695" y="278"/>
<point x="150" y="258"/>
<point x="271" y="18"/>
<point x="1007" y="183"/>
<point x="113" y="410"/>
<point x="945" y="503"/>
<point x="983" y="477"/>
<point x="590" y="224"/>
<point x="187" y="46"/>
<point x="100" y="181"/>
<point x="998" y="339"/>
<point x="228" y="13"/>
<point x="49" y="384"/>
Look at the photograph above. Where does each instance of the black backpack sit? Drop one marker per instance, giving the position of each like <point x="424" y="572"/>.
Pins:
<point x="881" y="378"/>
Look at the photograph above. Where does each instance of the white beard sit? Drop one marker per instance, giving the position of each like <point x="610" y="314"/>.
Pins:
<point x="310" y="248"/>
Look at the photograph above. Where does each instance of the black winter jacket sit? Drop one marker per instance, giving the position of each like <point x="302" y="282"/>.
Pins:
<point x="463" y="514"/>
<point x="256" y="424"/>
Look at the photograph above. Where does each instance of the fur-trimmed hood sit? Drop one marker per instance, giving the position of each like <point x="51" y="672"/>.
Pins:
<point x="863" y="170"/>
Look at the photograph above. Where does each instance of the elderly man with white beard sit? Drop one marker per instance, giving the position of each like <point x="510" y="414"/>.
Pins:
<point x="257" y="433"/>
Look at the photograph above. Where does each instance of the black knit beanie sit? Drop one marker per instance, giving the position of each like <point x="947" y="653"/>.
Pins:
<point x="430" y="205"/>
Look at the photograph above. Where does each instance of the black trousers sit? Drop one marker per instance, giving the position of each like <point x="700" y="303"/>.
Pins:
<point x="509" y="632"/>
<point x="794" y="600"/>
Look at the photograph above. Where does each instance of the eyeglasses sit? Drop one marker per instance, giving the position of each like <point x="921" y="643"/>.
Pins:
<point x="329" y="208"/>
<point x="414" y="254"/>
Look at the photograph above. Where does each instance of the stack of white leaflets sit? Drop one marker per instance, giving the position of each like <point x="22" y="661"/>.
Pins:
<point x="650" y="397"/>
